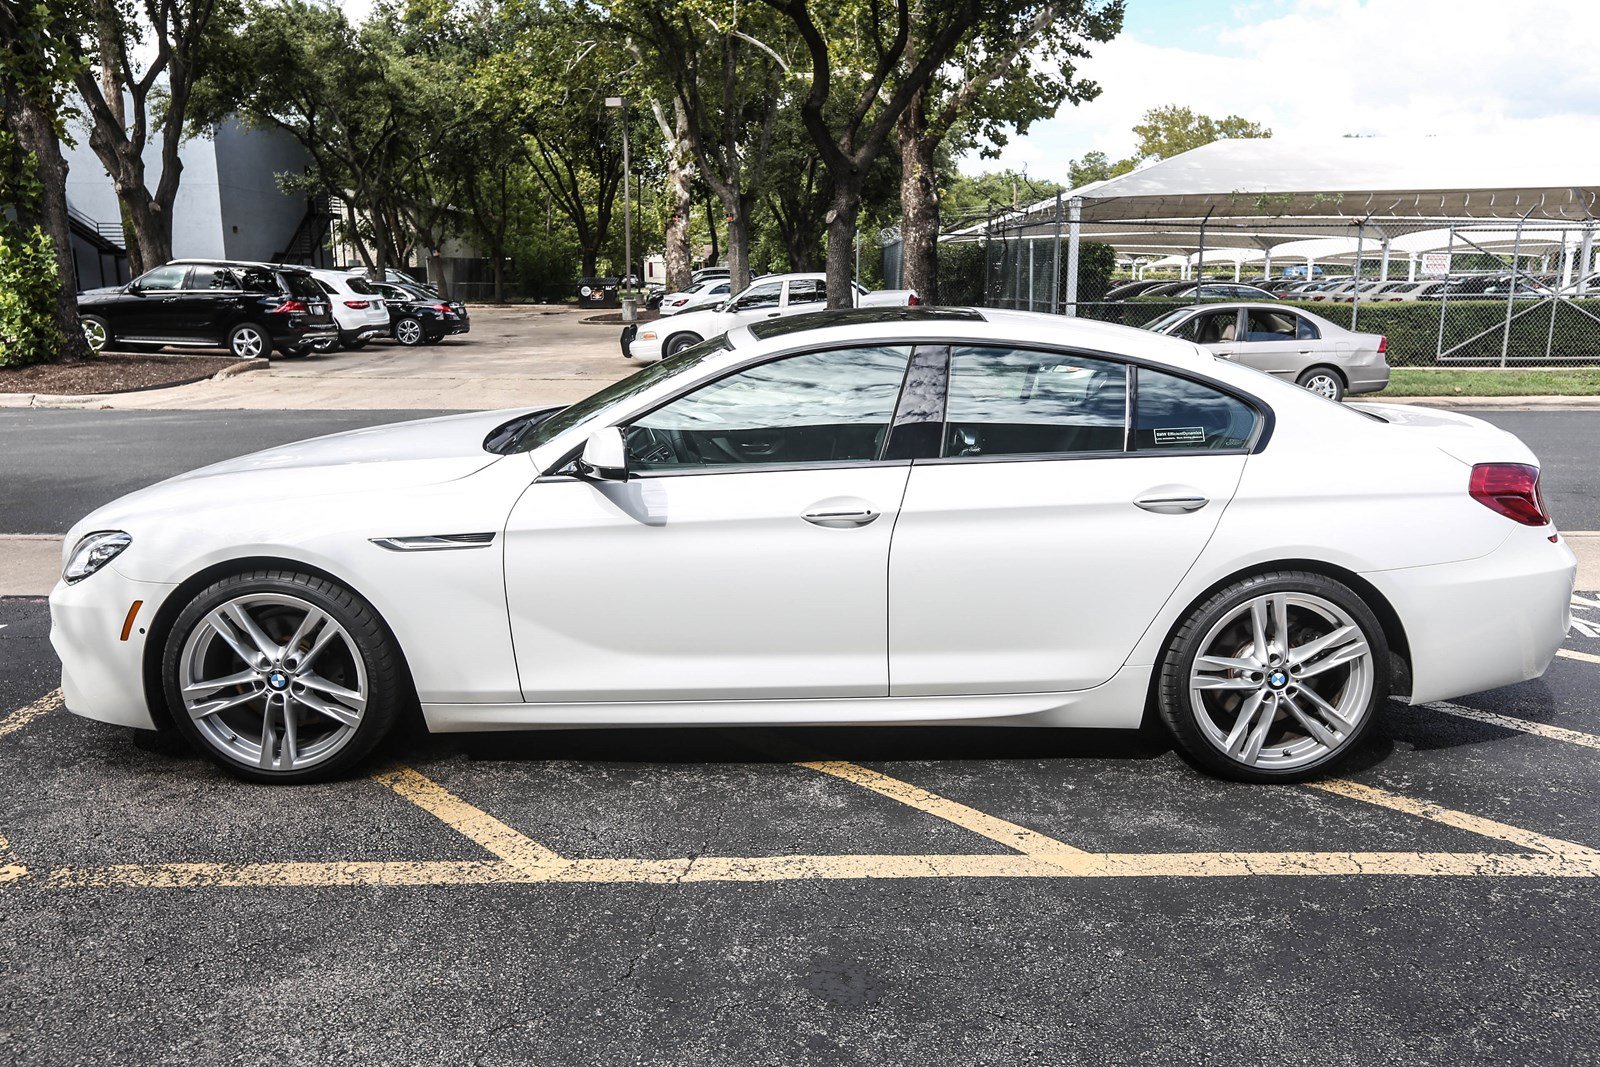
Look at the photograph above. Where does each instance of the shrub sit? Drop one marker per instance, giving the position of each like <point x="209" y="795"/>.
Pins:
<point x="28" y="332"/>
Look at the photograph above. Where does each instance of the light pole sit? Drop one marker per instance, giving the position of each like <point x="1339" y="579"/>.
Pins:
<point x="629" y="312"/>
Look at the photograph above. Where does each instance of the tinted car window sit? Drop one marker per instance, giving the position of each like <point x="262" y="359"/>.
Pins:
<point x="302" y="285"/>
<point x="326" y="288"/>
<point x="256" y="280"/>
<point x="392" y="293"/>
<point x="362" y="286"/>
<point x="1176" y="414"/>
<point x="820" y="407"/>
<point x="807" y="291"/>
<point x="761" y="296"/>
<point x="1007" y="402"/>
<point x="163" y="278"/>
<point x="213" y="278"/>
<point x="1305" y="329"/>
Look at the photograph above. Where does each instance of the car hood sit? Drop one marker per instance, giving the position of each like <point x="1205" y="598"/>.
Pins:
<point x="104" y="290"/>
<point x="374" y="459"/>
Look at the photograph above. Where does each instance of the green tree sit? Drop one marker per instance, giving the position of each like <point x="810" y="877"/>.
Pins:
<point x="1174" y="129"/>
<point x="38" y="291"/>
<point x="1017" y="64"/>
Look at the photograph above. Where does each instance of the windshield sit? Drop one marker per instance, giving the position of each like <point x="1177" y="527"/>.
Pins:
<point x="540" y="428"/>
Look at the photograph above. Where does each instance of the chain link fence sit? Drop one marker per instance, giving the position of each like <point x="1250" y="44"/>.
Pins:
<point x="1445" y="292"/>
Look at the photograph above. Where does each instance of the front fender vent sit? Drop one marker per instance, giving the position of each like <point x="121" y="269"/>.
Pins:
<point x="435" y="542"/>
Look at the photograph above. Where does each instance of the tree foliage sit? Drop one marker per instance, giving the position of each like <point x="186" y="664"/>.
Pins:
<point x="1173" y="129"/>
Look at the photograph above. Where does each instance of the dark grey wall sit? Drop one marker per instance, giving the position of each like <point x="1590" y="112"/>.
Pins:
<point x="258" y="218"/>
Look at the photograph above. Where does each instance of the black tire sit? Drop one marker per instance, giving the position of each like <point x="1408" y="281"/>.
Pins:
<point x="1182" y="718"/>
<point x="387" y="682"/>
<point x="410" y="332"/>
<point x="1324" y="381"/>
<point x="678" y="342"/>
<point x="96" y="333"/>
<point x="249" y="340"/>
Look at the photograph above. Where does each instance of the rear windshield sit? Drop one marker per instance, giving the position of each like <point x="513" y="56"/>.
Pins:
<point x="302" y="285"/>
<point x="362" y="286"/>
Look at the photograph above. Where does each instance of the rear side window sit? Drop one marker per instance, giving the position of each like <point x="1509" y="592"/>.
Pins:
<point x="807" y="291"/>
<point x="1009" y="402"/>
<point x="1263" y="325"/>
<point x="256" y="280"/>
<point x="1175" y="414"/>
<point x="302" y="285"/>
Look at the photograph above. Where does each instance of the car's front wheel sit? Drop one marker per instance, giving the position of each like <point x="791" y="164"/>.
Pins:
<point x="678" y="342"/>
<point x="248" y="341"/>
<point x="96" y="333"/>
<point x="1274" y="678"/>
<point x="1324" y="381"/>
<point x="282" y="677"/>
<point x="408" y="331"/>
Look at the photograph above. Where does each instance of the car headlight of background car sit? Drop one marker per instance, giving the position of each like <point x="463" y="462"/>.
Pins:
<point x="94" y="551"/>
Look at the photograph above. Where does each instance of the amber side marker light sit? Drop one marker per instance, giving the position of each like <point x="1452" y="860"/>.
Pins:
<point x="127" y="624"/>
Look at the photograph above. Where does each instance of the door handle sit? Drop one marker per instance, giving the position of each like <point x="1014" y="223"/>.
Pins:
<point x="1171" y="505"/>
<point x="840" y="519"/>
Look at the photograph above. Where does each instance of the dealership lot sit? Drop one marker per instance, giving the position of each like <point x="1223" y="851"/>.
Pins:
<point x="773" y="896"/>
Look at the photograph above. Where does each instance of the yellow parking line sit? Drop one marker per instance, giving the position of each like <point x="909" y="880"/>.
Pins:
<point x="1554" y="733"/>
<point x="470" y="822"/>
<point x="1584" y="656"/>
<point x="1459" y="819"/>
<point x="23" y="716"/>
<point x="1029" y="842"/>
<point x="704" y="869"/>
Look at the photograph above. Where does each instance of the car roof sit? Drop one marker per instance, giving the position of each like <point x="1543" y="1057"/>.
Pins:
<point x="237" y="263"/>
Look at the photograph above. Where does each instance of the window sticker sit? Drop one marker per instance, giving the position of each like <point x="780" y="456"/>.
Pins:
<point x="1180" y="435"/>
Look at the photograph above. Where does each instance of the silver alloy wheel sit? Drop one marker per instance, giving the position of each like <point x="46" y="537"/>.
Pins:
<point x="248" y="342"/>
<point x="94" y="334"/>
<point x="409" y="332"/>
<point x="1281" y="681"/>
<point x="1324" y="385"/>
<point x="272" y="681"/>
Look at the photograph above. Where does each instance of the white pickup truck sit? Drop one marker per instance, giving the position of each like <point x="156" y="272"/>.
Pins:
<point x="769" y="297"/>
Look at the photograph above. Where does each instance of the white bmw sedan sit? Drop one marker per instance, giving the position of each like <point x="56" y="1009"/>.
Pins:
<point x="916" y="516"/>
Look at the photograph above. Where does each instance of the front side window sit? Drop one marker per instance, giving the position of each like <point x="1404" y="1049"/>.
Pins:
<point x="1213" y="327"/>
<point x="163" y="279"/>
<point x="1008" y="402"/>
<point x="807" y="291"/>
<point x="1178" y="415"/>
<point x="758" y="297"/>
<point x="212" y="278"/>
<point x="817" y="408"/>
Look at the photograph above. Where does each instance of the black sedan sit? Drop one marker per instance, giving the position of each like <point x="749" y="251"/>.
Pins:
<point x="417" y="317"/>
<point x="249" y="308"/>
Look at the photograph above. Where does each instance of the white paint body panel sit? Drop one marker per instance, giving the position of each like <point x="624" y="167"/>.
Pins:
<point x="1020" y="591"/>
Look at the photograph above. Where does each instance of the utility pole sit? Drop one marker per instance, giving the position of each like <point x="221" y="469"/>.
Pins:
<point x="629" y="304"/>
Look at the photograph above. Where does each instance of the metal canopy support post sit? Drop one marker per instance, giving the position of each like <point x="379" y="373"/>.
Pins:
<point x="1055" y="263"/>
<point x="1383" y="264"/>
<point x="1511" y="290"/>
<point x="1200" y="256"/>
<point x="1355" y="292"/>
<point x="1444" y="294"/>
<point x="1032" y="288"/>
<point x="1585" y="248"/>
<point x="1074" y="235"/>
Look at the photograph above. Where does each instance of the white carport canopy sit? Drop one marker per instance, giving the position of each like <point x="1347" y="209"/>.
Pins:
<point x="1270" y="194"/>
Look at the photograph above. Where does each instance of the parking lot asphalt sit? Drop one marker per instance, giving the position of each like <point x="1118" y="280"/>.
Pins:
<point x="827" y="896"/>
<point x="761" y="896"/>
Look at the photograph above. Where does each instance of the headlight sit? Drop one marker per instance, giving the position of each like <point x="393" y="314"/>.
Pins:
<point x="647" y="336"/>
<point x="93" y="552"/>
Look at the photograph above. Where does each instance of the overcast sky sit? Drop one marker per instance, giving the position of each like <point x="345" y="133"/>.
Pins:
<point x="1322" y="68"/>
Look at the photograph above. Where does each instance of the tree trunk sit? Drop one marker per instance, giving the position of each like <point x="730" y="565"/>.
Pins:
<point x="711" y="225"/>
<point x="738" y="244"/>
<point x="680" y="195"/>
<point x="842" y="215"/>
<point x="591" y="262"/>
<point x="36" y="134"/>
<point x="919" y="205"/>
<point x="499" y="276"/>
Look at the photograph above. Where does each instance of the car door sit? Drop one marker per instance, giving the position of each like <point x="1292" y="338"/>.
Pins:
<point x="208" y="303"/>
<point x="746" y="555"/>
<point x="1217" y="331"/>
<point x="763" y="300"/>
<point x="804" y="294"/>
<point x="1278" y="342"/>
<point x="152" y="311"/>
<point x="1071" y="496"/>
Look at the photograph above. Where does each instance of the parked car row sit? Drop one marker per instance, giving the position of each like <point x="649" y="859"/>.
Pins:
<point x="255" y="309"/>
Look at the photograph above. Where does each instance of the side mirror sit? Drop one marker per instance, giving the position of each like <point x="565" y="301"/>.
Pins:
<point x="605" y="456"/>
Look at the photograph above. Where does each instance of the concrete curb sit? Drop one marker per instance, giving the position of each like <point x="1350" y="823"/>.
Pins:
<point x="244" y="366"/>
<point x="1450" y="401"/>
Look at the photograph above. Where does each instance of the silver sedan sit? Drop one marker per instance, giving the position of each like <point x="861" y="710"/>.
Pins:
<point x="1308" y="349"/>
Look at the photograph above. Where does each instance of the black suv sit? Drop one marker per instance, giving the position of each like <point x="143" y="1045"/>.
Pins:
<point x="418" y="317"/>
<point x="248" y="308"/>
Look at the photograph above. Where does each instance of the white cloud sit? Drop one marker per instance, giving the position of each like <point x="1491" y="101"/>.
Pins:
<point x="1324" y="68"/>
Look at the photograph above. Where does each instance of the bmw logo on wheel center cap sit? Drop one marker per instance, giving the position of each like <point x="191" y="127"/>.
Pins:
<point x="1277" y="679"/>
<point x="278" y="680"/>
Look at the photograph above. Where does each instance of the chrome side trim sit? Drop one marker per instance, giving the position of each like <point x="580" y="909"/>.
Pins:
<point x="435" y="542"/>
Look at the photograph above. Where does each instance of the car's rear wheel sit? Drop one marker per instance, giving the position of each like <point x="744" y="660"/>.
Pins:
<point x="408" y="331"/>
<point x="96" y="333"/>
<point x="248" y="341"/>
<point x="282" y="677"/>
<point x="678" y="342"/>
<point x="1324" y="381"/>
<point x="1275" y="678"/>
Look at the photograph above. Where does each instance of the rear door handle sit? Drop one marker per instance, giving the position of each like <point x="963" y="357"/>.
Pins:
<point x="840" y="519"/>
<point x="1163" y="504"/>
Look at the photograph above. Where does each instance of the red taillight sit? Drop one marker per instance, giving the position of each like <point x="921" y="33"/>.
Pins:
<point x="1383" y="345"/>
<point x="443" y="309"/>
<point x="290" y="307"/>
<point x="1512" y="489"/>
<point x="359" y="305"/>
<point x="915" y="301"/>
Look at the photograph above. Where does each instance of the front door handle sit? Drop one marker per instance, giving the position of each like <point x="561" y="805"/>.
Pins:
<point x="1165" y="504"/>
<point x="840" y="519"/>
